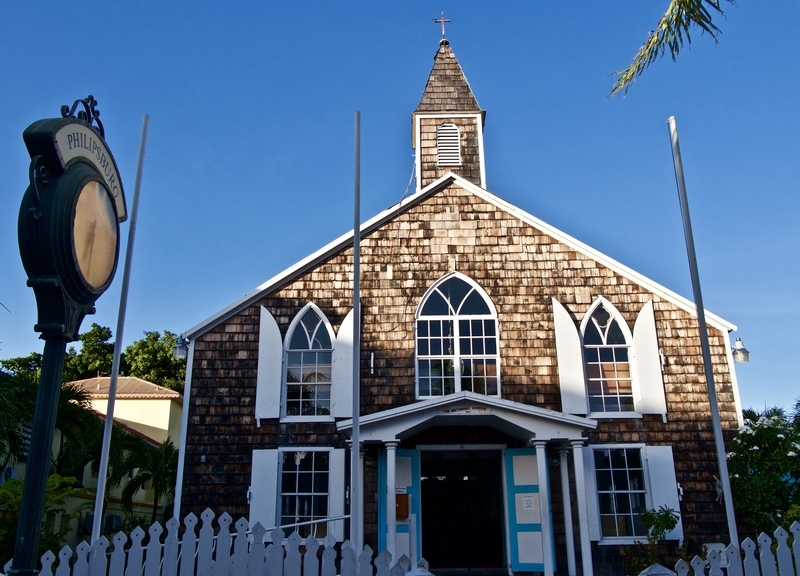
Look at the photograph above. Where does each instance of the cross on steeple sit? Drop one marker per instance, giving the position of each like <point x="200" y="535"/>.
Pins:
<point x="441" y="21"/>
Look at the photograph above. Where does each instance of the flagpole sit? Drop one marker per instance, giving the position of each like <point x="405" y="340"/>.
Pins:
<point x="356" y="512"/>
<point x="701" y="319"/>
<point x="123" y="305"/>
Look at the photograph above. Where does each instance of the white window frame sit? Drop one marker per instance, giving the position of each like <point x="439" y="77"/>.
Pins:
<point x="456" y="334"/>
<point x="264" y="493"/>
<point x="448" y="145"/>
<point x="643" y="355"/>
<point x="295" y="324"/>
<point x="660" y="485"/>
<point x="626" y="332"/>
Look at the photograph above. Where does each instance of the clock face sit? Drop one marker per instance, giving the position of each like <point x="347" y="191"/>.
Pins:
<point x="95" y="234"/>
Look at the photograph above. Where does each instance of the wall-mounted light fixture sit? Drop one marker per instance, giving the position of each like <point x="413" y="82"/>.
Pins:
<point x="181" y="349"/>
<point x="741" y="355"/>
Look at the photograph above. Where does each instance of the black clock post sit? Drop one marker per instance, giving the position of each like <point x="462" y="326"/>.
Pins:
<point x="69" y="243"/>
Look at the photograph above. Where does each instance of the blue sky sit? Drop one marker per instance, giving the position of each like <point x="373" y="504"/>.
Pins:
<point x="249" y="159"/>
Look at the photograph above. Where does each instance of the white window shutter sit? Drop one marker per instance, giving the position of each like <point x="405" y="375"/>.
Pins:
<point x="663" y="488"/>
<point x="648" y="363"/>
<point x="270" y="368"/>
<point x="336" y="473"/>
<point x="264" y="489"/>
<point x="570" y="362"/>
<point x="590" y="484"/>
<point x="342" y="370"/>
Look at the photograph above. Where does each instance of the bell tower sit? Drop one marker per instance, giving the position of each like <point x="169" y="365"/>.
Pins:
<point x="447" y="126"/>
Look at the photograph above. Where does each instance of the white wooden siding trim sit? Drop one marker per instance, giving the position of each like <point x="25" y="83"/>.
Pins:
<point x="569" y="354"/>
<point x="336" y="488"/>
<point x="269" y="376"/>
<point x="663" y="486"/>
<point x="264" y="489"/>
<point x="648" y="363"/>
<point x="342" y="370"/>
<point x="590" y="484"/>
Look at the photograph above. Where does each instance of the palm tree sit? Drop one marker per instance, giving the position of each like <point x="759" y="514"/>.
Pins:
<point x="157" y="466"/>
<point x="672" y="30"/>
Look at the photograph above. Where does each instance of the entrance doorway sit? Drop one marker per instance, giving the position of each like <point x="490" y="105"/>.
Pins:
<point x="462" y="508"/>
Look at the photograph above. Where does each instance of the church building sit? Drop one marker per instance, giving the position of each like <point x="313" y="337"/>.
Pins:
<point x="523" y="396"/>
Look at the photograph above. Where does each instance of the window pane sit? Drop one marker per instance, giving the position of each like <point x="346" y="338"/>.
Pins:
<point x="623" y="503"/>
<point x="435" y="306"/>
<point x="620" y="479"/>
<point x="604" y="480"/>
<point x="614" y="335"/>
<point x="606" y="503"/>
<point x="592" y="336"/>
<point x="436" y="328"/>
<point x="455" y="289"/>
<point x="465" y="346"/>
<point x="463" y="327"/>
<point x="602" y="459"/>
<point x="422" y="328"/>
<point x="634" y="457"/>
<point x="475" y="304"/>
<point x="618" y="459"/>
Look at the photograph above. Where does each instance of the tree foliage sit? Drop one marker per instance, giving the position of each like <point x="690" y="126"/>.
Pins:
<point x="94" y="357"/>
<point x="56" y="493"/>
<point x="764" y="466"/>
<point x="151" y="359"/>
<point x="672" y="30"/>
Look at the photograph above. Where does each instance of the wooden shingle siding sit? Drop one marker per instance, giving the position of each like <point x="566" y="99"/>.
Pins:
<point x="469" y="168"/>
<point x="521" y="269"/>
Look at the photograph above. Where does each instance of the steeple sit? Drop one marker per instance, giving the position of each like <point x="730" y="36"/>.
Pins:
<point x="447" y="126"/>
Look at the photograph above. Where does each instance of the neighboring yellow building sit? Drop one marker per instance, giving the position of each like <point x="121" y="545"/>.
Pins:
<point x="153" y="410"/>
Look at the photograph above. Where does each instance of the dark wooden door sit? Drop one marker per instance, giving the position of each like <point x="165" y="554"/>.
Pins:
<point x="462" y="508"/>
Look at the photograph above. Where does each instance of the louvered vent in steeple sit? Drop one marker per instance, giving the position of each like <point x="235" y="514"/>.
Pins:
<point x="448" y="145"/>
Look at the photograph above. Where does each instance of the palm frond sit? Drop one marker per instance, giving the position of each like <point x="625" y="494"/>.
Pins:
<point x="673" y="29"/>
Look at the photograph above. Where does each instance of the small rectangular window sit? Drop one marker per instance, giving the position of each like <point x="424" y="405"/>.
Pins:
<point x="304" y="492"/>
<point x="621" y="491"/>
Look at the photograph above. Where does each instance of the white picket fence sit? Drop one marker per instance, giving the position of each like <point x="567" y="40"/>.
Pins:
<point x="229" y="553"/>
<point x="225" y="553"/>
<point x="759" y="560"/>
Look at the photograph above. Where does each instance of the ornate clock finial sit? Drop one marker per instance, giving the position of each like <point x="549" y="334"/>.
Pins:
<point x="89" y="113"/>
<point x="442" y="22"/>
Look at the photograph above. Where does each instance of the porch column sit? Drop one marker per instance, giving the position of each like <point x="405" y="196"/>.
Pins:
<point x="544" y="492"/>
<point x="391" y="500"/>
<point x="563" y="464"/>
<point x="583" y="507"/>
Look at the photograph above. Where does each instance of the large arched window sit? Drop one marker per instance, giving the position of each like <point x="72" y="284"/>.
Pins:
<point x="457" y="340"/>
<point x="606" y="356"/>
<point x="308" y="363"/>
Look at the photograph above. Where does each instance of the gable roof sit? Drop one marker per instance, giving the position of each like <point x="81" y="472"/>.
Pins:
<point x="128" y="387"/>
<point x="519" y="420"/>
<point x="447" y="89"/>
<point x="378" y="220"/>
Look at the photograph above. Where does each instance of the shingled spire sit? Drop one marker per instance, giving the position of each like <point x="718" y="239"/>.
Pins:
<point x="447" y="126"/>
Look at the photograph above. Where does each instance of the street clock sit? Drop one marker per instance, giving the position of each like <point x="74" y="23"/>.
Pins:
<point x="69" y="218"/>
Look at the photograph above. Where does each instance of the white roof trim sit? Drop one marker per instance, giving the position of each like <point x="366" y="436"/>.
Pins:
<point x="471" y="397"/>
<point x="342" y="242"/>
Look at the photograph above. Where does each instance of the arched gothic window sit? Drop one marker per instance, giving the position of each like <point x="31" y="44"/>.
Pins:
<point x="448" y="145"/>
<point x="606" y="356"/>
<point x="457" y="340"/>
<point x="309" y="352"/>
